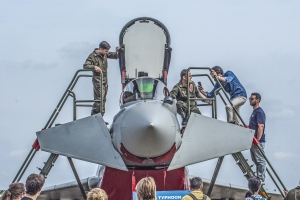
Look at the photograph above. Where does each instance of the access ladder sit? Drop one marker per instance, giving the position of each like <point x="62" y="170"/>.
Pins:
<point x="238" y="156"/>
<point x="53" y="157"/>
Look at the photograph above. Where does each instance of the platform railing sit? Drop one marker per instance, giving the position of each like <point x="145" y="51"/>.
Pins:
<point x="237" y="156"/>
<point x="68" y="93"/>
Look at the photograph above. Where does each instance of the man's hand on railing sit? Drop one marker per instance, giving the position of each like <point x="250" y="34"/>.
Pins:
<point x="117" y="49"/>
<point x="97" y="69"/>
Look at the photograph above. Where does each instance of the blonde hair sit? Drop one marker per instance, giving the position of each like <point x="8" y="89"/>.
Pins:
<point x="97" y="194"/>
<point x="146" y="189"/>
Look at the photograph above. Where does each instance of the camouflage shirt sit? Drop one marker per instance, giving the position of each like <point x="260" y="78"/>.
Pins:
<point x="179" y="92"/>
<point x="99" y="60"/>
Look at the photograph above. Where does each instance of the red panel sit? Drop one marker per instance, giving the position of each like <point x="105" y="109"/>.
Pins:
<point x="123" y="79"/>
<point x="156" y="160"/>
<point x="165" y="77"/>
<point x="255" y="141"/>
<point x="36" y="145"/>
<point x="118" y="184"/>
<point x="167" y="156"/>
<point x="129" y="156"/>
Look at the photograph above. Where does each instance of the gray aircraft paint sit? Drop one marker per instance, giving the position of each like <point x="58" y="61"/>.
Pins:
<point x="207" y="138"/>
<point x="146" y="129"/>
<point x="86" y="139"/>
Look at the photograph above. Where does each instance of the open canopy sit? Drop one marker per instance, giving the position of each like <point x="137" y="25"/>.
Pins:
<point x="145" y="49"/>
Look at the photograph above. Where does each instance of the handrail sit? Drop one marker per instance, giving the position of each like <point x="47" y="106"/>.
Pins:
<point x="239" y="116"/>
<point x="195" y="75"/>
<point x="226" y="95"/>
<point x="64" y="95"/>
<point x="56" y="112"/>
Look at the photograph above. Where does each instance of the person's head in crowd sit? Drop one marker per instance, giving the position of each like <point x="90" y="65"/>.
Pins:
<point x="248" y="194"/>
<point x="97" y="194"/>
<point x="255" y="99"/>
<point x="34" y="184"/>
<point x="254" y="184"/>
<point x="104" y="48"/>
<point x="196" y="183"/>
<point x="146" y="189"/>
<point x="16" y="191"/>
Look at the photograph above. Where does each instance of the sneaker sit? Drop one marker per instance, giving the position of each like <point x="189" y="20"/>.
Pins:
<point x="262" y="182"/>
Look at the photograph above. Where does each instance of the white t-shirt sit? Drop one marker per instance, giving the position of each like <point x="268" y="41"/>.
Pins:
<point x="255" y="197"/>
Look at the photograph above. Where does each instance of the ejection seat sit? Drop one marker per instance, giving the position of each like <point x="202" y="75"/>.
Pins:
<point x="145" y="50"/>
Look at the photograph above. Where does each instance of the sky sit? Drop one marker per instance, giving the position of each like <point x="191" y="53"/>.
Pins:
<point x="43" y="44"/>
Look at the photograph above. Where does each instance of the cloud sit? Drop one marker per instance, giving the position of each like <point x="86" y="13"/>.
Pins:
<point x="76" y="50"/>
<point x="17" y="152"/>
<point x="28" y="65"/>
<point x="283" y="114"/>
<point x="4" y="173"/>
<point x="284" y="155"/>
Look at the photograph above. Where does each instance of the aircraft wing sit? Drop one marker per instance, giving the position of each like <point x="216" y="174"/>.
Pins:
<point x="85" y="139"/>
<point x="206" y="138"/>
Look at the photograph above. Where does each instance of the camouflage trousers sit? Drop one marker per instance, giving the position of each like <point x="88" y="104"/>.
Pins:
<point x="183" y="111"/>
<point x="96" y="105"/>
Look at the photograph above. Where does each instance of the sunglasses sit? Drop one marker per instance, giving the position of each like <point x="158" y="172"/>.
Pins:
<point x="251" y="99"/>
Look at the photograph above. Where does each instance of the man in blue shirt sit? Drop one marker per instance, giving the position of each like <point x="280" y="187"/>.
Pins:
<point x="257" y="123"/>
<point x="232" y="85"/>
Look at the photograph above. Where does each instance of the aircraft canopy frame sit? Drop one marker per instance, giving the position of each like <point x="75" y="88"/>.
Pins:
<point x="145" y="50"/>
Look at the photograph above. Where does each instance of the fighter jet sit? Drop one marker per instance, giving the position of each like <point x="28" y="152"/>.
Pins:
<point x="144" y="137"/>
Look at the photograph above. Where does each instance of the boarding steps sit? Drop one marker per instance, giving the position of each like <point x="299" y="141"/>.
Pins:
<point x="53" y="157"/>
<point x="247" y="170"/>
<point x="238" y="156"/>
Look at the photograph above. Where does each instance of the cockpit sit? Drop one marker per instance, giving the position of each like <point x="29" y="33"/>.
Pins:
<point x="144" y="88"/>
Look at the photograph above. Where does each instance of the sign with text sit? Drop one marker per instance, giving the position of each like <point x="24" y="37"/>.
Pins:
<point x="165" y="195"/>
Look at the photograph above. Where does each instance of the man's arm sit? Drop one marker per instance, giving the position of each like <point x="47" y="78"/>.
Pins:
<point x="211" y="93"/>
<point x="228" y="77"/>
<point x="200" y="96"/>
<point x="89" y="64"/>
<point x="220" y="78"/>
<point x="260" y="131"/>
<point x="261" y="119"/>
<point x="114" y="55"/>
<point x="174" y="92"/>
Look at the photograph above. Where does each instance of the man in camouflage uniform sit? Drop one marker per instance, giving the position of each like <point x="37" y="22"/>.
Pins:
<point x="179" y="92"/>
<point x="97" y="60"/>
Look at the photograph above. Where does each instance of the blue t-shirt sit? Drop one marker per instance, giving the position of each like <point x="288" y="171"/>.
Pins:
<point x="258" y="117"/>
<point x="232" y="86"/>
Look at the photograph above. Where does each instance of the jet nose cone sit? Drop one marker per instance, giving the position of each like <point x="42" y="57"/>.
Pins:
<point x="148" y="129"/>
